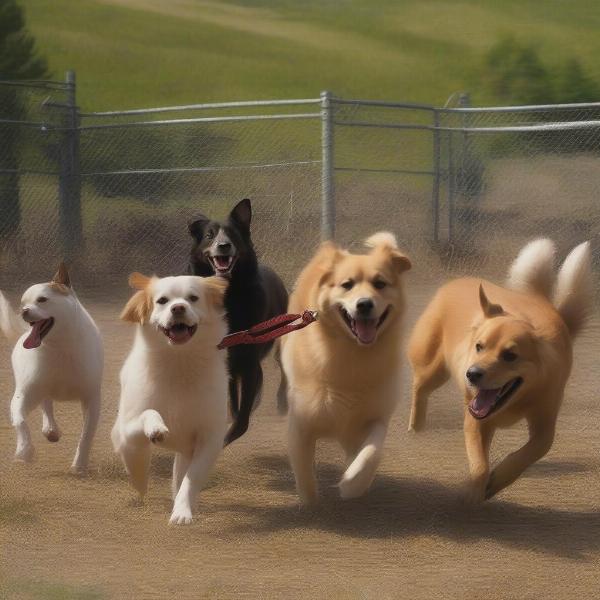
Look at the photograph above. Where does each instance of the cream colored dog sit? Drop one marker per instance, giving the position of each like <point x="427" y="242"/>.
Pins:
<point x="174" y="383"/>
<point x="509" y="350"/>
<point x="344" y="370"/>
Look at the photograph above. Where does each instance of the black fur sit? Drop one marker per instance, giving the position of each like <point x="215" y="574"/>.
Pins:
<point x="255" y="294"/>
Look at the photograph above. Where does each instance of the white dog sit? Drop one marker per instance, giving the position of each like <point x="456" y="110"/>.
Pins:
<point x="60" y="357"/>
<point x="174" y="383"/>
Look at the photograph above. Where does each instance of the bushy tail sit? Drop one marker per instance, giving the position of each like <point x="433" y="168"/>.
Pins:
<point x="574" y="289"/>
<point x="533" y="270"/>
<point x="12" y="327"/>
<point x="382" y="239"/>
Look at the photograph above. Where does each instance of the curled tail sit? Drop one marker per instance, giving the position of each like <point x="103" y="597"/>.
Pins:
<point x="533" y="269"/>
<point x="12" y="327"/>
<point x="574" y="289"/>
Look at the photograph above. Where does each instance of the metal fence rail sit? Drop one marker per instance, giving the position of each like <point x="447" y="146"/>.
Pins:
<point x="461" y="186"/>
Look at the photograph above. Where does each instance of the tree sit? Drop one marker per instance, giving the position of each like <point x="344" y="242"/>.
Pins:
<point x="574" y="85"/>
<point x="19" y="60"/>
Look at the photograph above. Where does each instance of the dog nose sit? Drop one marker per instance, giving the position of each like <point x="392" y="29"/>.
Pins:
<point x="224" y="246"/>
<point x="474" y="374"/>
<point x="178" y="309"/>
<point x="364" y="306"/>
<point x="24" y="312"/>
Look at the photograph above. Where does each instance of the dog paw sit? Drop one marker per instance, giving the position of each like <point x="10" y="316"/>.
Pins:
<point x="52" y="435"/>
<point x="354" y="486"/>
<point x="475" y="492"/>
<point x="25" y="454"/>
<point x="157" y="433"/>
<point x="181" y="516"/>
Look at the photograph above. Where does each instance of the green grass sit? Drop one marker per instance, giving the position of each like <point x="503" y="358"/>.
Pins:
<point x="133" y="53"/>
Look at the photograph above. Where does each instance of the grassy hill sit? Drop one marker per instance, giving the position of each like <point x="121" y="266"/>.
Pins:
<point x="132" y="53"/>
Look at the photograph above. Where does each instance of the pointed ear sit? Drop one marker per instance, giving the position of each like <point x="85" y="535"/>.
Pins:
<point x="325" y="259"/>
<point x="197" y="227"/>
<point x="62" y="276"/>
<point x="138" y="309"/>
<point x="215" y="290"/>
<point x="242" y="213"/>
<point x="489" y="310"/>
<point x="400" y="261"/>
<point x="138" y="281"/>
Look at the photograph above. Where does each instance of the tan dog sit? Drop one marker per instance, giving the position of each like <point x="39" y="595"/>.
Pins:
<point x="510" y="352"/>
<point x="344" y="371"/>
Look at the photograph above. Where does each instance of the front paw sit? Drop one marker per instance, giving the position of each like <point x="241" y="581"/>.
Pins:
<point x="181" y="516"/>
<point x="52" y="435"/>
<point x="25" y="453"/>
<point x="475" y="491"/>
<point x="355" y="485"/>
<point x="157" y="432"/>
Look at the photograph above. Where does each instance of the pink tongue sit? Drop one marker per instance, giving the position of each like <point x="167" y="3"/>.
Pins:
<point x="366" y="330"/>
<point x="34" y="339"/>
<point x="222" y="261"/>
<point x="179" y="336"/>
<point x="483" y="403"/>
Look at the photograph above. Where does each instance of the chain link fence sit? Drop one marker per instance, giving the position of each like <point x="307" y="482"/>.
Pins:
<point x="463" y="188"/>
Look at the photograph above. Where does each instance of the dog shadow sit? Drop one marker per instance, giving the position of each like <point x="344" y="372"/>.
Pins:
<point x="409" y="507"/>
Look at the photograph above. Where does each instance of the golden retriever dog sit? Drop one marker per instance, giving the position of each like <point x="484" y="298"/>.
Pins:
<point x="509" y="350"/>
<point x="344" y="371"/>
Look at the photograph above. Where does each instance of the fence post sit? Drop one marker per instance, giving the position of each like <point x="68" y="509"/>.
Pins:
<point x="327" y="169"/>
<point x="435" y="189"/>
<point x="70" y="176"/>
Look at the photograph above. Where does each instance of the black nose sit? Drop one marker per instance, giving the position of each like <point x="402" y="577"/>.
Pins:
<point x="224" y="246"/>
<point x="364" y="306"/>
<point x="178" y="309"/>
<point x="474" y="374"/>
<point x="24" y="312"/>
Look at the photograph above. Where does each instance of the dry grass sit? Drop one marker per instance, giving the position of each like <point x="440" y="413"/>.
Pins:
<point x="411" y="536"/>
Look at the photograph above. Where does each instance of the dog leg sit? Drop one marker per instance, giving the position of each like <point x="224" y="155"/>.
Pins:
<point x="20" y="405"/>
<point x="541" y="438"/>
<point x="234" y="401"/>
<point x="360" y="474"/>
<point x="204" y="457"/>
<point x="425" y="381"/>
<point x="478" y="439"/>
<point x="252" y="379"/>
<point x="301" y="449"/>
<point x="181" y="464"/>
<point x="282" y="400"/>
<point x="91" y="413"/>
<point x="49" y="426"/>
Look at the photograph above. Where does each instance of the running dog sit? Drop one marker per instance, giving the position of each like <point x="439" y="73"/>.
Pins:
<point x="58" y="356"/>
<point x="509" y="350"/>
<point x="174" y="383"/>
<point x="344" y="370"/>
<point x="255" y="294"/>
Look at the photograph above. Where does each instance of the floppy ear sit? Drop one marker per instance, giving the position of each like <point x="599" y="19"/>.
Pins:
<point x="62" y="276"/>
<point x="138" y="309"/>
<point x="196" y="228"/>
<point x="138" y="281"/>
<point x="400" y="261"/>
<point x="215" y="290"/>
<point x="489" y="309"/>
<point x="242" y="213"/>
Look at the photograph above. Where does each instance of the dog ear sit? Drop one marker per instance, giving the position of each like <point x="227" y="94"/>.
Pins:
<point x="138" y="281"/>
<point x="325" y="259"/>
<point x="400" y="261"/>
<point x="62" y="275"/>
<point x="489" y="310"/>
<point x="241" y="214"/>
<point x="215" y="289"/>
<point x="197" y="227"/>
<point x="139" y="308"/>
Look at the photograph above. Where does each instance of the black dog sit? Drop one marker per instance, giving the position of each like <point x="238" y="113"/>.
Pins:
<point x="255" y="294"/>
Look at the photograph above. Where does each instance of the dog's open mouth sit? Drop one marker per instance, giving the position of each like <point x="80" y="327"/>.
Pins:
<point x="180" y="333"/>
<point x="486" y="402"/>
<point x="39" y="330"/>
<point x="222" y="265"/>
<point x="364" y="330"/>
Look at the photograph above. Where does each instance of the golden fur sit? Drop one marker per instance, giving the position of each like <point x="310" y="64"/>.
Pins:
<point x="507" y="335"/>
<point x="340" y="388"/>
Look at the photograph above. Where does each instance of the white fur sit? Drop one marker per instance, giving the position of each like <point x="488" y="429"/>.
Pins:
<point x="175" y="395"/>
<point x="574" y="291"/>
<point x="383" y="239"/>
<point x="533" y="270"/>
<point x="66" y="366"/>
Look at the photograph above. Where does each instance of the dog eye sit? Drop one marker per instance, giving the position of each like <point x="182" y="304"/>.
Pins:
<point x="348" y="285"/>
<point x="209" y="235"/>
<point x="508" y="356"/>
<point x="478" y="347"/>
<point x="379" y="284"/>
<point x="42" y="299"/>
<point x="192" y="298"/>
<point x="162" y="300"/>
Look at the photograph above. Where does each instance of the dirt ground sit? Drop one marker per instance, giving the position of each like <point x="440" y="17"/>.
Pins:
<point x="410" y="537"/>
